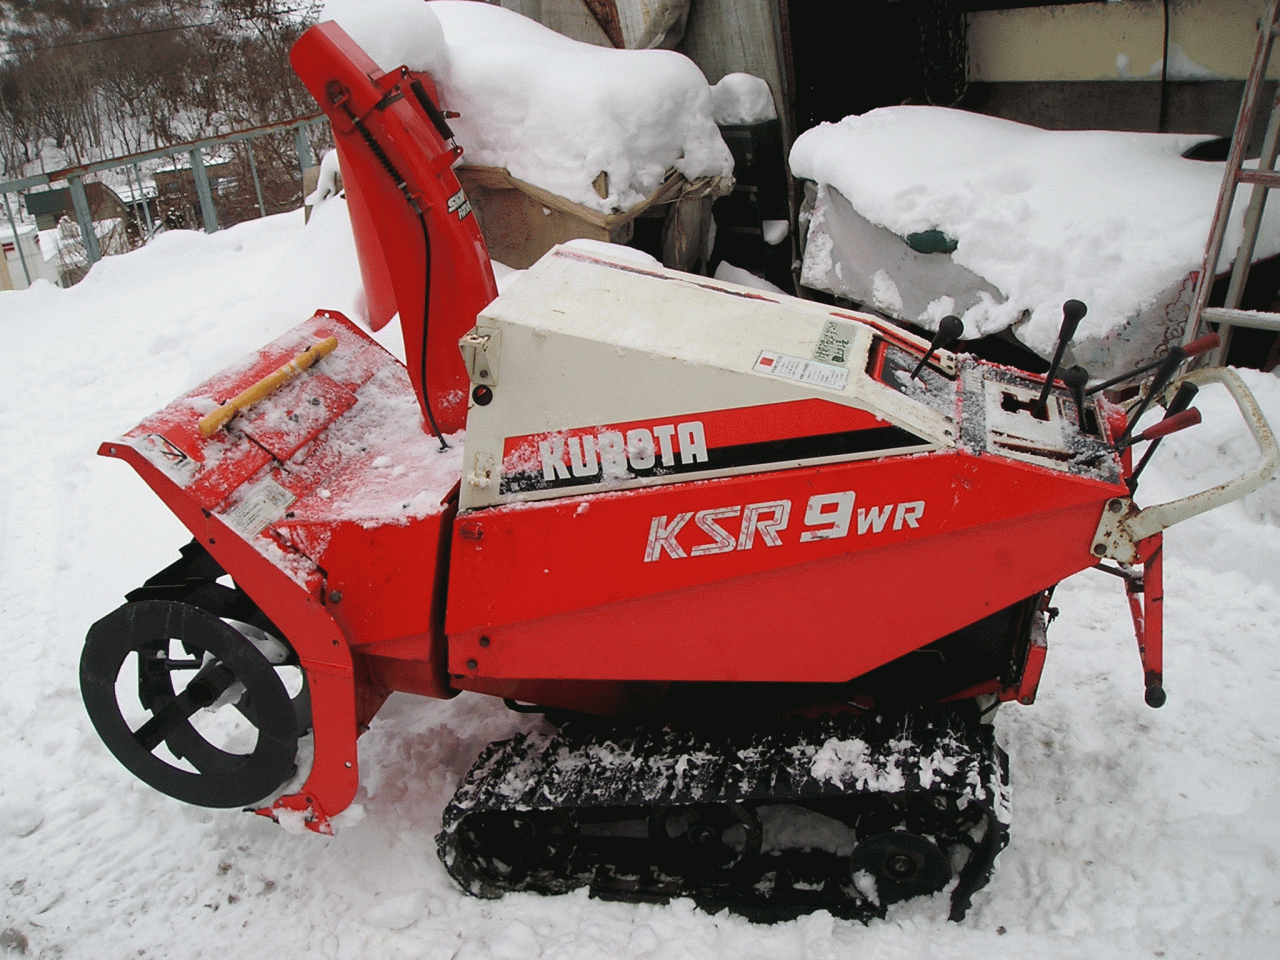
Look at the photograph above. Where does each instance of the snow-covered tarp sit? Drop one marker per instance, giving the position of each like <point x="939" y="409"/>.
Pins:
<point x="1118" y="220"/>
<point x="552" y="111"/>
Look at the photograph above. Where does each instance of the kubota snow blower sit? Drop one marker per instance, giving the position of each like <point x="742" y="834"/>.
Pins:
<point x="768" y="567"/>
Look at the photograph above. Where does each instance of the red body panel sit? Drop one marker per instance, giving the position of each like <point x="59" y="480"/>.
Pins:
<point x="729" y="427"/>
<point x="575" y="588"/>
<point x="451" y="272"/>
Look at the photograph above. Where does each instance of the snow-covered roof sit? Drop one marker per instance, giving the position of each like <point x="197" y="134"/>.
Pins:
<point x="553" y="111"/>
<point x="7" y="229"/>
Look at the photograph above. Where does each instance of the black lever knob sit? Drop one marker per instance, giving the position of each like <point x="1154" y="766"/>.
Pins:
<point x="1168" y="367"/>
<point x="1073" y="312"/>
<point x="949" y="330"/>
<point x="1075" y="378"/>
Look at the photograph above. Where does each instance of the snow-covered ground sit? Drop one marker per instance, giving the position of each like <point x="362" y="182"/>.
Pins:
<point x="1137" y="833"/>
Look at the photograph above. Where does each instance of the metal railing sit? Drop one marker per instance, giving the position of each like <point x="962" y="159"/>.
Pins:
<point x="74" y="177"/>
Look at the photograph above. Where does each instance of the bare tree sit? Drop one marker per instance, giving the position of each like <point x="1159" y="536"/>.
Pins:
<point x="97" y="78"/>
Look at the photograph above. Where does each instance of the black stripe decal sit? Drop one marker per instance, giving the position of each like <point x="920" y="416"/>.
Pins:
<point x="848" y="443"/>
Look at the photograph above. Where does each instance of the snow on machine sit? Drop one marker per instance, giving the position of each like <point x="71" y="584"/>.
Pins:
<point x="767" y="567"/>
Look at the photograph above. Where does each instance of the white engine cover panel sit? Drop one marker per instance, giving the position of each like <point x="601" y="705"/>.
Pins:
<point x="605" y="375"/>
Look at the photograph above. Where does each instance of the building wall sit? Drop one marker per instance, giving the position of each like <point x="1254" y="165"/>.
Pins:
<point x="720" y="36"/>
<point x="738" y="36"/>
<point x="12" y="276"/>
<point x="569" y="17"/>
<point x="1084" y="41"/>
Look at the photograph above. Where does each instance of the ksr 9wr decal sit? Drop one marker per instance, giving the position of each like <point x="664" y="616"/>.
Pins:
<point x="827" y="516"/>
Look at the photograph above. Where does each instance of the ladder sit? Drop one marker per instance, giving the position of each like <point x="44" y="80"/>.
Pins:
<point x="1263" y="179"/>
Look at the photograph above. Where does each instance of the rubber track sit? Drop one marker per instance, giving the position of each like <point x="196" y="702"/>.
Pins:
<point x="586" y="767"/>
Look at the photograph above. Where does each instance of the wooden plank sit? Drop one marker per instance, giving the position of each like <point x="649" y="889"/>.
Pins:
<point x="1253" y="319"/>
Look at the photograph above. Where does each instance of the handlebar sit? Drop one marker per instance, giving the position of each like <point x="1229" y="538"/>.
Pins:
<point x="1123" y="526"/>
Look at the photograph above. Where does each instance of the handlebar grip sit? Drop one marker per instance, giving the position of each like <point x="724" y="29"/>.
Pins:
<point x="1179" y="421"/>
<point x="1210" y="341"/>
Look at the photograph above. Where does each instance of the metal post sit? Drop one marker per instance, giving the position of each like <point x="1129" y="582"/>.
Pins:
<point x="302" y="143"/>
<point x="253" y="169"/>
<point x="133" y="197"/>
<point x="142" y="194"/>
<point x="202" y="191"/>
<point x="17" y="241"/>
<point x="83" y="217"/>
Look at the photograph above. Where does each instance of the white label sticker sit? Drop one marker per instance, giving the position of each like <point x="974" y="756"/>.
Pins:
<point x="459" y="204"/>
<point x="835" y="343"/>
<point x="259" y="506"/>
<point x="805" y="371"/>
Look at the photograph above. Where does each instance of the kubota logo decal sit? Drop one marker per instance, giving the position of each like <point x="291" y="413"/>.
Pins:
<point x="599" y="454"/>
<point x="696" y="443"/>
<point x="620" y="455"/>
<point x="827" y="516"/>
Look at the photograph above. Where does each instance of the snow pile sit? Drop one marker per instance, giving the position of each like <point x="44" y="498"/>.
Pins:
<point x="552" y="111"/>
<point x="1109" y="218"/>
<point x="742" y="98"/>
<point x="393" y="33"/>
<point x="1136" y="833"/>
<point x="727" y="272"/>
<point x="1182" y="67"/>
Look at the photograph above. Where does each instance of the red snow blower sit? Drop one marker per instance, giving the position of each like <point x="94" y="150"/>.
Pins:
<point x="767" y="567"/>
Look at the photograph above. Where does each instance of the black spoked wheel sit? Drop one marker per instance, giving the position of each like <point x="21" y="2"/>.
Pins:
<point x="708" y="842"/>
<point x="217" y="708"/>
<point x="511" y="846"/>
<point x="902" y="865"/>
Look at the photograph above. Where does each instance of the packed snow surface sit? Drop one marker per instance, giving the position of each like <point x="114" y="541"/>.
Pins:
<point x="1112" y="219"/>
<point x="742" y="98"/>
<point x="1136" y="833"/>
<point x="553" y="111"/>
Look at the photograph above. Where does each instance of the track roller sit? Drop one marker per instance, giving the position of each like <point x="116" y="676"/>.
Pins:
<point x="902" y="865"/>
<point x="708" y="841"/>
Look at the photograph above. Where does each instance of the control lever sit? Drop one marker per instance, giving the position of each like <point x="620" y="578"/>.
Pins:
<point x="1164" y="373"/>
<point x="949" y="330"/>
<point x="1172" y="424"/>
<point x="1199" y="345"/>
<point x="1075" y="378"/>
<point x="1181" y="401"/>
<point x="1073" y="312"/>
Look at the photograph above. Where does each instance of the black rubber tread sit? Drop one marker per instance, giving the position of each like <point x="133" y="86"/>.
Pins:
<point x="902" y="766"/>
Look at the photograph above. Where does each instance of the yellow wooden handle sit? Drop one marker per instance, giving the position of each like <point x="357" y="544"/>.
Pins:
<point x="210" y="423"/>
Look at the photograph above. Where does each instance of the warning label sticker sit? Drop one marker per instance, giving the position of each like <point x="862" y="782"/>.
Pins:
<point x="835" y="342"/>
<point x="805" y="371"/>
<point x="260" y="505"/>
<point x="166" y="455"/>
